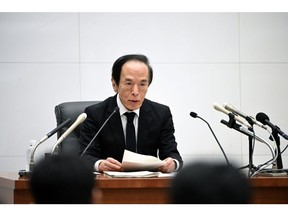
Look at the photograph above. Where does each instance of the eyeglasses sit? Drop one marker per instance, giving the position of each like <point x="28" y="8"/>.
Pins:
<point x="128" y="85"/>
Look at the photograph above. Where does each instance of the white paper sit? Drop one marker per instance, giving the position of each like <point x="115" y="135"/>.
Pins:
<point x="167" y="175"/>
<point x="138" y="162"/>
<point x="137" y="174"/>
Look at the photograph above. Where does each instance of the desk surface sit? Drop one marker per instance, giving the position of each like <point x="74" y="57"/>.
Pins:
<point x="15" y="189"/>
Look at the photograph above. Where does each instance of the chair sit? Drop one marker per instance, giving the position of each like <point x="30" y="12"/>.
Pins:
<point x="63" y="111"/>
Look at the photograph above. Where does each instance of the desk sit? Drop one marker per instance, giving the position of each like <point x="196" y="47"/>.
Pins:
<point x="266" y="190"/>
<point x="133" y="190"/>
<point x="269" y="190"/>
<point x="15" y="189"/>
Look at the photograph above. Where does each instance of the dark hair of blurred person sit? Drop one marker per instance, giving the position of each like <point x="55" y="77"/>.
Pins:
<point x="62" y="179"/>
<point x="210" y="183"/>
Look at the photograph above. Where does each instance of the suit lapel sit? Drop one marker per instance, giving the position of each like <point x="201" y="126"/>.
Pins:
<point x="144" y="123"/>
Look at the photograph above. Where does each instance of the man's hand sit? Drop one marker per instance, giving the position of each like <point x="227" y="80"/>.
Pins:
<point x="110" y="164"/>
<point x="168" y="167"/>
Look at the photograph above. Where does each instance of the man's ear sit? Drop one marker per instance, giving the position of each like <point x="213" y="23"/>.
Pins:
<point x="114" y="85"/>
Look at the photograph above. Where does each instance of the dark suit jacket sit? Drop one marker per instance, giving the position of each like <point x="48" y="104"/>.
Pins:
<point x="155" y="132"/>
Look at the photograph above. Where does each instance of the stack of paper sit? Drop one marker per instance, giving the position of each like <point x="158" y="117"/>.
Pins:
<point x="137" y="174"/>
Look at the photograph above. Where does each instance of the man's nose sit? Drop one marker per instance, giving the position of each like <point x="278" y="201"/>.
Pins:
<point x="135" y="89"/>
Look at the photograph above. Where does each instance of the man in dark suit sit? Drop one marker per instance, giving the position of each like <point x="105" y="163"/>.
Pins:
<point x="154" y="128"/>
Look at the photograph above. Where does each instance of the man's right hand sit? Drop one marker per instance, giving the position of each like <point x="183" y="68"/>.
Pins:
<point x="110" y="164"/>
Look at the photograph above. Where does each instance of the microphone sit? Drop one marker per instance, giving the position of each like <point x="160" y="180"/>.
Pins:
<point x="78" y="121"/>
<point x="264" y="119"/>
<point x="245" y="131"/>
<point x="63" y="124"/>
<point x="194" y="115"/>
<point x="248" y="118"/>
<point x="114" y="111"/>
<point x="31" y="163"/>
<point x="236" y="117"/>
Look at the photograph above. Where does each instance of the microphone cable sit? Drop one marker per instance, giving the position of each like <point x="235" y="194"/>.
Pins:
<point x="261" y="167"/>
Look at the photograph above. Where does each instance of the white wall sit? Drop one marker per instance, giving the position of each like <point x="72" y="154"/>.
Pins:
<point x="198" y="59"/>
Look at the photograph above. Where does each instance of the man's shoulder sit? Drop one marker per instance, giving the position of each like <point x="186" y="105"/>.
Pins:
<point x="155" y="106"/>
<point x="154" y="103"/>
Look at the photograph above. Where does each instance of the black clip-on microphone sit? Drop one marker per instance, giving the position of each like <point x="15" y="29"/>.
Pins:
<point x="194" y="115"/>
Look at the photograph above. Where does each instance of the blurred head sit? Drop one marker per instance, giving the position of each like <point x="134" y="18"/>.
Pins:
<point x="131" y="77"/>
<point x="62" y="179"/>
<point x="210" y="183"/>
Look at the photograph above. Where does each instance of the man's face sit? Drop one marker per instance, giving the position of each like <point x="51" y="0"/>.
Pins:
<point x="133" y="85"/>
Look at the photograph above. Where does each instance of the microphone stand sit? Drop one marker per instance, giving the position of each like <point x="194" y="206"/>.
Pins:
<point x="250" y="163"/>
<point x="251" y="149"/>
<point x="277" y="140"/>
<point x="232" y="124"/>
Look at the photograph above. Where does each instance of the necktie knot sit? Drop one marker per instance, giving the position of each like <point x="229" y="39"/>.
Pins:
<point x="130" y="116"/>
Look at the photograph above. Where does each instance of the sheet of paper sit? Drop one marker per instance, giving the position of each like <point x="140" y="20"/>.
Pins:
<point x="165" y="175"/>
<point x="137" y="174"/>
<point x="138" y="162"/>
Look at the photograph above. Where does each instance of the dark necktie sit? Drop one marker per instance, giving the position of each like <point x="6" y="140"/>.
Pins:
<point x="130" y="132"/>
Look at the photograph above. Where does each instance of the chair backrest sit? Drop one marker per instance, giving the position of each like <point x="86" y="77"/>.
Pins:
<point x="64" y="111"/>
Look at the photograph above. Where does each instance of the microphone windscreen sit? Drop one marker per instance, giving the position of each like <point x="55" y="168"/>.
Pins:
<point x="262" y="117"/>
<point x="193" y="114"/>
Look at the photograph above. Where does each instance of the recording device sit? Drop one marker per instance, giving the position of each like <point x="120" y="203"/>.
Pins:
<point x="81" y="118"/>
<point x="229" y="107"/>
<point x="114" y="111"/>
<point x="48" y="135"/>
<point x="194" y="115"/>
<point x="236" y="117"/>
<point x="264" y="119"/>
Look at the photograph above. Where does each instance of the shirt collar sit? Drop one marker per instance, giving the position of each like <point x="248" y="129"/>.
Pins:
<point x="122" y="109"/>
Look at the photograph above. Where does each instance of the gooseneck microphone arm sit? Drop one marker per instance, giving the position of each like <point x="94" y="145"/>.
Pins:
<point x="247" y="132"/>
<point x="114" y="111"/>
<point x="63" y="124"/>
<point x="243" y="130"/>
<point x="194" y="115"/>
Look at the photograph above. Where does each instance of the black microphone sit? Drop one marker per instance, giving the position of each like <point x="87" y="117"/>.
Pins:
<point x="244" y="130"/>
<point x="114" y="111"/>
<point x="264" y="119"/>
<point x="194" y="115"/>
<point x="63" y="124"/>
<point x="31" y="163"/>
